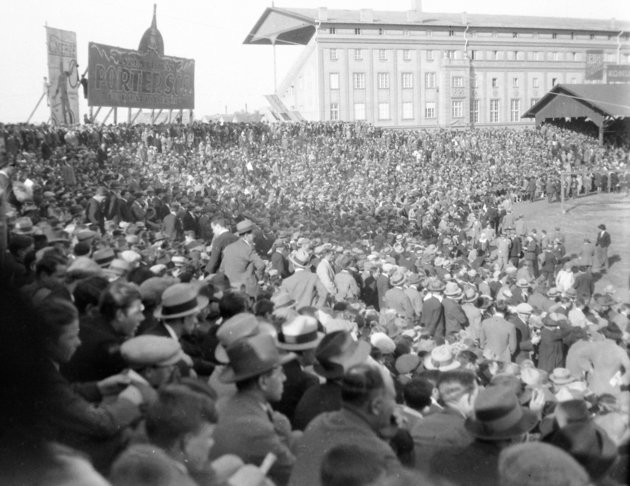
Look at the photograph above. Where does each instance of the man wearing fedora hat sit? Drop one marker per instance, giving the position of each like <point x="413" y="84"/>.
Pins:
<point x="498" y="336"/>
<point x="241" y="264"/>
<point x="300" y="336"/>
<point x="248" y="427"/>
<point x="455" y="319"/>
<point x="304" y="287"/>
<point x="432" y="319"/>
<point x="498" y="421"/>
<point x="397" y="299"/>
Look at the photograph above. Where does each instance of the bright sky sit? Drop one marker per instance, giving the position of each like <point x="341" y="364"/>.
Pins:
<point x="227" y="73"/>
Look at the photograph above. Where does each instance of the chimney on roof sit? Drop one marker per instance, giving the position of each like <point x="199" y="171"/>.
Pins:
<point x="366" y="15"/>
<point x="415" y="11"/>
<point x="322" y="14"/>
<point x="464" y="18"/>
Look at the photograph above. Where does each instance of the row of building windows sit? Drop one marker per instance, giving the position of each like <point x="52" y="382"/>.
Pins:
<point x="430" y="110"/>
<point x="383" y="81"/>
<point x="514" y="35"/>
<point x="480" y="55"/>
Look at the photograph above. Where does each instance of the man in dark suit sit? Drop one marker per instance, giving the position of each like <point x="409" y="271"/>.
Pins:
<point x="95" y="209"/>
<point x="241" y="264"/>
<point x="300" y="336"/>
<point x="601" y="248"/>
<point x="432" y="319"/>
<point x="222" y="238"/>
<point x="584" y="284"/>
<point x="455" y="319"/>
<point x="120" y="314"/>
<point x="524" y="343"/>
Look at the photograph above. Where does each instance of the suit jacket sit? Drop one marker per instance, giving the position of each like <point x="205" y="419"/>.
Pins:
<point x="326" y="274"/>
<point x="603" y="239"/>
<point x="245" y="428"/>
<point x="298" y="381"/>
<point x="305" y="288"/>
<point x="99" y="354"/>
<point x="240" y="264"/>
<point x="433" y="317"/>
<point x="347" y="287"/>
<point x="280" y="263"/>
<point x="584" y="285"/>
<point x="454" y="317"/>
<point x="315" y="401"/>
<point x="218" y="245"/>
<point x="398" y="300"/>
<point x="498" y="336"/>
<point x="436" y="431"/>
<point x="473" y="465"/>
<point x="95" y="213"/>
<point x="171" y="226"/>
<point x="382" y="286"/>
<point x="328" y="431"/>
<point x="523" y="339"/>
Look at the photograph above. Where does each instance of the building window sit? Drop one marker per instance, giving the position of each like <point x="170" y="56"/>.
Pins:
<point x="407" y="110"/>
<point x="358" y="55"/>
<point x="357" y="31"/>
<point x="474" y="111"/>
<point x="429" y="109"/>
<point x="495" y="82"/>
<point x="380" y="31"/>
<point x="474" y="81"/>
<point x="540" y="56"/>
<point x="514" y="35"/>
<point x="514" y="82"/>
<point x="535" y="83"/>
<point x="382" y="55"/>
<point x="331" y="30"/>
<point x="334" y="111"/>
<point x="473" y="55"/>
<point x="406" y="54"/>
<point x="383" y="111"/>
<point x="334" y="80"/>
<point x="429" y="55"/>
<point x="533" y="101"/>
<point x="407" y="80"/>
<point x="358" y="80"/>
<point x="359" y="111"/>
<point x="572" y="35"/>
<point x="574" y="56"/>
<point x="554" y="36"/>
<point x="383" y="80"/>
<point x="451" y="33"/>
<point x="494" y="111"/>
<point x="457" y="82"/>
<point x="449" y="54"/>
<point x="334" y="55"/>
<point x="592" y="36"/>
<point x="557" y="56"/>
<point x="429" y="80"/>
<point x="457" y="108"/>
<point x="515" y="109"/>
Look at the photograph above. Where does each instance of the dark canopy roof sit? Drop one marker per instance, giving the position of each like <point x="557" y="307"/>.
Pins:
<point x="594" y="101"/>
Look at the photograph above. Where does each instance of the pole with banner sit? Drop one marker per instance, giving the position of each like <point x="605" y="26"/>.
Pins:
<point x="61" y="48"/>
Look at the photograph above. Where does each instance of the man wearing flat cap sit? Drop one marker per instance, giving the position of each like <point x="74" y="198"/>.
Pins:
<point x="241" y="264"/>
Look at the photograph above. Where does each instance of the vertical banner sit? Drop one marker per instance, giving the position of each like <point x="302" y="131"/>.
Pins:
<point x="594" y="65"/>
<point x="63" y="93"/>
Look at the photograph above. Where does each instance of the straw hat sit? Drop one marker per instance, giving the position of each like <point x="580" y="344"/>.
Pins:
<point x="299" y="334"/>
<point x="441" y="359"/>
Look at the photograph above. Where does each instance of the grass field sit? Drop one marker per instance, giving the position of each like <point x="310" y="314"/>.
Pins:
<point x="580" y="220"/>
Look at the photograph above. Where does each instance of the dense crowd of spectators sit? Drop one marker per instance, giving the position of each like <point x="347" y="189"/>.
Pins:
<point x="314" y="303"/>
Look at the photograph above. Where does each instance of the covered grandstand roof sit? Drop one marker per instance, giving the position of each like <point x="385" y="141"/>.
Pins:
<point x="297" y="25"/>
<point x="594" y="101"/>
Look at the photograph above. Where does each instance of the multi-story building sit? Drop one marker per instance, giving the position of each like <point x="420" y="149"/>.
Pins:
<point x="419" y="69"/>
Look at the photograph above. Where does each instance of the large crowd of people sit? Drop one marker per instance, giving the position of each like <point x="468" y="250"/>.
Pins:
<point x="307" y="304"/>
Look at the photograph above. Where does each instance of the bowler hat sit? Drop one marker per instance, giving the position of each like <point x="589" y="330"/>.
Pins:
<point x="252" y="356"/>
<point x="499" y="416"/>
<point x="180" y="300"/>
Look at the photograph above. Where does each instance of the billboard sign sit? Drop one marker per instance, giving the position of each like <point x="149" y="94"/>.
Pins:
<point x="594" y="65"/>
<point x="618" y="73"/>
<point x="63" y="78"/>
<point x="128" y="78"/>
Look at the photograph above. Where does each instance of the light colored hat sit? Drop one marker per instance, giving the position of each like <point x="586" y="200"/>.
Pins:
<point x="441" y="359"/>
<point x="23" y="226"/>
<point x="524" y="308"/>
<point x="383" y="343"/>
<point x="470" y="295"/>
<point x="436" y="285"/>
<point x="130" y="256"/>
<point x="232" y="330"/>
<point x="523" y="283"/>
<point x="244" y="226"/>
<point x="180" y="300"/>
<point x="300" y="258"/>
<point x="398" y="278"/>
<point x="561" y="376"/>
<point x="452" y="290"/>
<point x="146" y="350"/>
<point x="299" y="334"/>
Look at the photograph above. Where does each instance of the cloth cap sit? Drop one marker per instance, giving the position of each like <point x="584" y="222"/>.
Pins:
<point x="141" y="351"/>
<point x="383" y="342"/>
<point x="524" y="308"/>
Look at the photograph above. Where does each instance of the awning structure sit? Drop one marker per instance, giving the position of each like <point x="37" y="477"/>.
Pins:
<point x="598" y="103"/>
<point x="281" y="27"/>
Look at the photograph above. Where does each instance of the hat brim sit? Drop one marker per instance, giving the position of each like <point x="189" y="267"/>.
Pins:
<point x="297" y="264"/>
<point x="561" y="381"/>
<point x="227" y="374"/>
<point x="202" y="302"/>
<point x="337" y="368"/>
<point x="301" y="346"/>
<point x="449" y="367"/>
<point x="477" y="428"/>
<point x="470" y="300"/>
